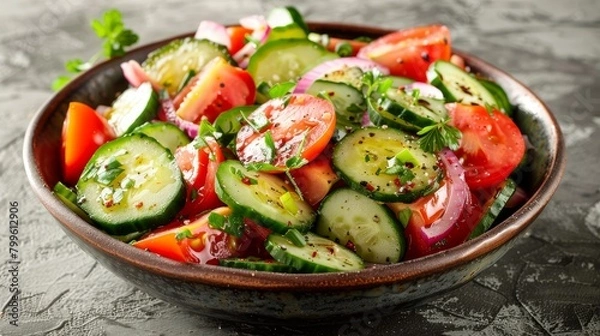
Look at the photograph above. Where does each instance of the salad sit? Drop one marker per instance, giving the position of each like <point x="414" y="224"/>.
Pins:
<point x="266" y="146"/>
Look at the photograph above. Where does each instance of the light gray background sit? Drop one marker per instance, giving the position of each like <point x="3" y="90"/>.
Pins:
<point x="548" y="284"/>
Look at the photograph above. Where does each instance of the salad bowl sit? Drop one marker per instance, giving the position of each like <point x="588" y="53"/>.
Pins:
<point x="266" y="297"/>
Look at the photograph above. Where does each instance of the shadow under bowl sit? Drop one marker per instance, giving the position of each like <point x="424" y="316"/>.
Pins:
<point x="264" y="297"/>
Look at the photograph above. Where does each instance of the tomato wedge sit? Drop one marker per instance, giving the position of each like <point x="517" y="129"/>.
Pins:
<point x="316" y="178"/>
<point x="409" y="52"/>
<point x="83" y="132"/>
<point x="237" y="37"/>
<point x="199" y="167"/>
<point x="219" y="87"/>
<point x="299" y="125"/>
<point x="203" y="245"/>
<point x="491" y="146"/>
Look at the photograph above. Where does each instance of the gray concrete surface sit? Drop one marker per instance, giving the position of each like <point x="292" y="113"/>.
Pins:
<point x="549" y="284"/>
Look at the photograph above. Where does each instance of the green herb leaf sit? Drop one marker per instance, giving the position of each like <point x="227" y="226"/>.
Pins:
<point x="439" y="136"/>
<point x="60" y="82"/>
<point x="233" y="224"/>
<point x="363" y="39"/>
<point x="183" y="234"/>
<point x="115" y="38"/>
<point x="281" y="89"/>
<point x="271" y="150"/>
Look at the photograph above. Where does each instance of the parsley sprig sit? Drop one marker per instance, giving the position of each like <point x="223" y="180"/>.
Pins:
<point x="376" y="82"/>
<point x="436" y="137"/>
<point x="115" y="38"/>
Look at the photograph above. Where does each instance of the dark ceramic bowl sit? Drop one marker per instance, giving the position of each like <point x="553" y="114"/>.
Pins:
<point x="271" y="297"/>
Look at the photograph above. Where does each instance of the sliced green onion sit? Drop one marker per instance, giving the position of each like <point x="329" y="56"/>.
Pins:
<point x="295" y="237"/>
<point x="288" y="202"/>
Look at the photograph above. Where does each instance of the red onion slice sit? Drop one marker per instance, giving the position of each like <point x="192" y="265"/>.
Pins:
<point x="458" y="197"/>
<point x="335" y="65"/>
<point x="425" y="90"/>
<point x="135" y="75"/>
<point x="168" y="113"/>
<point x="243" y="55"/>
<point x="253" y="22"/>
<point x="366" y="120"/>
<point x="214" y="32"/>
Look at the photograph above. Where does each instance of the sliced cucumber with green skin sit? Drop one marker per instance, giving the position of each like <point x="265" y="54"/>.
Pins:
<point x="318" y="255"/>
<point x="291" y="31"/>
<point x="132" y="108"/>
<point x="349" y="75"/>
<point x="365" y="157"/>
<point x="348" y="101"/>
<point x="458" y="85"/>
<point x="256" y="264"/>
<point x="503" y="103"/>
<point x="229" y="122"/>
<point x="420" y="112"/>
<point x="284" y="60"/>
<point x="352" y="219"/>
<point x="257" y="195"/>
<point x="380" y="116"/>
<point x="167" y="134"/>
<point x="493" y="207"/>
<point x="131" y="184"/>
<point x="398" y="81"/>
<point x="283" y="16"/>
<point x="69" y="198"/>
<point x="171" y="64"/>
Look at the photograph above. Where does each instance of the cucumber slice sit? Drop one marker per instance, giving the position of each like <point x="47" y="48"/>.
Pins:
<point x="284" y="60"/>
<point x="350" y="218"/>
<point x="499" y="94"/>
<point x="458" y="85"/>
<point x="366" y="160"/>
<point x="318" y="255"/>
<point x="167" y="134"/>
<point x="348" y="101"/>
<point x="349" y="75"/>
<point x="291" y="31"/>
<point x="257" y="195"/>
<point x="69" y="198"/>
<point x="493" y="207"/>
<point x="380" y="116"/>
<point x="132" y="108"/>
<point x="398" y="81"/>
<point x="131" y="184"/>
<point x="420" y="112"/>
<point x="256" y="264"/>
<point x="283" y="16"/>
<point x="229" y="122"/>
<point x="171" y="64"/>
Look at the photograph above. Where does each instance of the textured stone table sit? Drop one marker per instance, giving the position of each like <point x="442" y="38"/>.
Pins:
<point x="548" y="284"/>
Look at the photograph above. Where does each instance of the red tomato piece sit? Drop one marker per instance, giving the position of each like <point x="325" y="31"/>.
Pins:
<point x="491" y="146"/>
<point x="205" y="245"/>
<point x="237" y="37"/>
<point x="199" y="167"/>
<point x="219" y="87"/>
<point x="409" y="52"/>
<point x="315" y="179"/>
<point x="300" y="124"/>
<point x="84" y="130"/>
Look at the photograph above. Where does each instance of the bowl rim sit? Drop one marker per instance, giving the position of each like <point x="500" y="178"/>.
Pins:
<point x="218" y="276"/>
